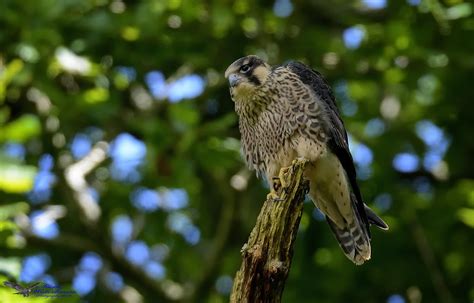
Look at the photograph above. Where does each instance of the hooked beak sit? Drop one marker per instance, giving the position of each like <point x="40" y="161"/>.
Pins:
<point x="234" y="79"/>
<point x="232" y="75"/>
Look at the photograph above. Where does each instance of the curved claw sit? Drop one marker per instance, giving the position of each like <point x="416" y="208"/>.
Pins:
<point x="283" y="175"/>
<point x="272" y="195"/>
<point x="282" y="182"/>
<point x="276" y="184"/>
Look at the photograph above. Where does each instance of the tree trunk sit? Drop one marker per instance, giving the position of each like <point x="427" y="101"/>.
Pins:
<point x="268" y="252"/>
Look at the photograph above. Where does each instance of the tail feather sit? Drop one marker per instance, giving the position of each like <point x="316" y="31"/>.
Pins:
<point x="353" y="239"/>
<point x="374" y="219"/>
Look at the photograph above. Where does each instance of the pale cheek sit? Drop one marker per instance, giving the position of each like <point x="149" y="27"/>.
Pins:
<point x="261" y="73"/>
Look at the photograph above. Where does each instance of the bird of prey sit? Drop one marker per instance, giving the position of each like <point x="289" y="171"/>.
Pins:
<point x="288" y="112"/>
<point x="25" y="291"/>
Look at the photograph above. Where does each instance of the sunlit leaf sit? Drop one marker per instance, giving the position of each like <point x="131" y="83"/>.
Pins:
<point x="21" y="129"/>
<point x="16" y="178"/>
<point x="462" y="10"/>
<point x="10" y="265"/>
<point x="12" y="209"/>
<point x="96" y="95"/>
<point x="130" y="33"/>
<point x="466" y="215"/>
<point x="7" y="74"/>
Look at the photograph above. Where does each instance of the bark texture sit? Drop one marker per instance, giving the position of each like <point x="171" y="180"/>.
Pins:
<point x="268" y="252"/>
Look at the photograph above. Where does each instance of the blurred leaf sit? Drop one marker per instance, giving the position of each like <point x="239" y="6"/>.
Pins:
<point x="10" y="265"/>
<point x="462" y="10"/>
<point x="121" y="81"/>
<point x="12" y="209"/>
<point x="7" y="74"/>
<point x="360" y="90"/>
<point x="130" y="33"/>
<point x="7" y="228"/>
<point x="183" y="114"/>
<point x="219" y="125"/>
<point x="16" y="178"/>
<point x="466" y="215"/>
<point x="219" y="154"/>
<point x="21" y="129"/>
<point x="96" y="95"/>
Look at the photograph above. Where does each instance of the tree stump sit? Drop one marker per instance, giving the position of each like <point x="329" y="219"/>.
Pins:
<point x="268" y="252"/>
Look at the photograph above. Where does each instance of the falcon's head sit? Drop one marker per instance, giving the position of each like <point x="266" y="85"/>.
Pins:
<point x="246" y="75"/>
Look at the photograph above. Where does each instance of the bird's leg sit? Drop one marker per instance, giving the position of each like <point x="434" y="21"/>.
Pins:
<point x="299" y="161"/>
<point x="282" y="182"/>
<point x="276" y="183"/>
<point x="285" y="172"/>
<point x="275" y="187"/>
<point x="282" y="176"/>
<point x="272" y="195"/>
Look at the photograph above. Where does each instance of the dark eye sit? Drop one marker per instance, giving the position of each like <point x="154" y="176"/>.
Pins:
<point x="245" y="68"/>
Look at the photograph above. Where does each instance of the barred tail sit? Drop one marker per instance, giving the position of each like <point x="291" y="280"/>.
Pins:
<point x="353" y="239"/>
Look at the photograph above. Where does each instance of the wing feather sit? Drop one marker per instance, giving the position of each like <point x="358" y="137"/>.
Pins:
<point x="338" y="142"/>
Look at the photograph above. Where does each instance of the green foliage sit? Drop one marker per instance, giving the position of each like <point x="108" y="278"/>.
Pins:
<point x="62" y="74"/>
<point x="16" y="178"/>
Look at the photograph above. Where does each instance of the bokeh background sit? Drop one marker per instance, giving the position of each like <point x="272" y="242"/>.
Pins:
<point x="120" y="172"/>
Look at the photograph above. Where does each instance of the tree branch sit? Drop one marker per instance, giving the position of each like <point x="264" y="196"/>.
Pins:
<point x="428" y="256"/>
<point x="216" y="251"/>
<point x="267" y="254"/>
<point x="75" y="176"/>
<point x="82" y="244"/>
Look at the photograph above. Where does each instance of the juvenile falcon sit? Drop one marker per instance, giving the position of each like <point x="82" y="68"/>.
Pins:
<point x="288" y="112"/>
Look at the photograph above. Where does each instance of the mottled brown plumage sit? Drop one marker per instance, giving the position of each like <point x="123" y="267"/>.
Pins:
<point x="288" y="112"/>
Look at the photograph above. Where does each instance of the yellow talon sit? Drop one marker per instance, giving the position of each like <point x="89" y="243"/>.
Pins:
<point x="282" y="175"/>
<point x="299" y="161"/>
<point x="276" y="184"/>
<point x="272" y="195"/>
<point x="282" y="182"/>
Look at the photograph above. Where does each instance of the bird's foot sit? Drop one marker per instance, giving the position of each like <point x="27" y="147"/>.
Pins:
<point x="273" y="196"/>
<point x="299" y="161"/>
<point x="282" y="183"/>
<point x="276" y="187"/>
<point x="283" y="176"/>
<point x="286" y="172"/>
<point x="276" y="184"/>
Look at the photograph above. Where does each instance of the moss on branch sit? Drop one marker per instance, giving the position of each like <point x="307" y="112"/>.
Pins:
<point x="268" y="252"/>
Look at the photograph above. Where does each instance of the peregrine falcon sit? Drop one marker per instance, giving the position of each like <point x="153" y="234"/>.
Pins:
<point x="288" y="112"/>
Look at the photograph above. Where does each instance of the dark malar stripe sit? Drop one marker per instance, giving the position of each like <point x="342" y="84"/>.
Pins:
<point x="254" y="80"/>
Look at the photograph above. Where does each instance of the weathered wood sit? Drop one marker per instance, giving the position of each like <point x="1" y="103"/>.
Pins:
<point x="268" y="252"/>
